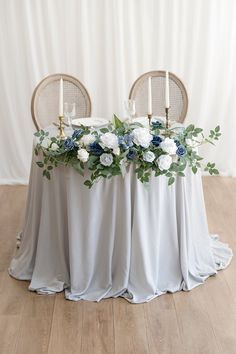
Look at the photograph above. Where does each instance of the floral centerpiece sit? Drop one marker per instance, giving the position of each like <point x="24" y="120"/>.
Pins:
<point x="108" y="151"/>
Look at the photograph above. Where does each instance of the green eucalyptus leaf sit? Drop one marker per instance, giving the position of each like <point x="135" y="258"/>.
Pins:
<point x="40" y="164"/>
<point x="171" y="180"/>
<point x="118" y="123"/>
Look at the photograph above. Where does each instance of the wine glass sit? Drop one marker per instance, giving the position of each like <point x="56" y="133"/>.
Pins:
<point x="130" y="108"/>
<point x="69" y="112"/>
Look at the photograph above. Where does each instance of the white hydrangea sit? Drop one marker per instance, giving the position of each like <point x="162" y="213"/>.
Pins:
<point x="142" y="137"/>
<point x="83" y="155"/>
<point x="116" y="151"/>
<point x="106" y="159"/>
<point x="109" y="140"/>
<point x="194" y="142"/>
<point x="46" y="142"/>
<point x="168" y="145"/>
<point x="149" y="156"/>
<point x="54" y="147"/>
<point x="164" y="162"/>
<point x="87" y="139"/>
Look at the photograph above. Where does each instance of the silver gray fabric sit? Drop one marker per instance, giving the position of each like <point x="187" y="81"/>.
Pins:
<point x="120" y="238"/>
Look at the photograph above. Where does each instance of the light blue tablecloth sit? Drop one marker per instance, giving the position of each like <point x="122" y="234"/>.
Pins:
<point x="118" y="239"/>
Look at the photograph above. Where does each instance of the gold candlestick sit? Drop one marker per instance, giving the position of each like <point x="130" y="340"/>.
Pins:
<point x="167" y="118"/>
<point x="61" y="134"/>
<point x="149" y="118"/>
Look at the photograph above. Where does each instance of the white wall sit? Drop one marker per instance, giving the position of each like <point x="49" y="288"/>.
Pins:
<point x="107" y="44"/>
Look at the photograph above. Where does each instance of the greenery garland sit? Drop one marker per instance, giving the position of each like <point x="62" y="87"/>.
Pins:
<point x="108" y="151"/>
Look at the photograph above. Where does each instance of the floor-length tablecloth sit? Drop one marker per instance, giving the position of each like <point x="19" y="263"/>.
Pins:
<point x="120" y="238"/>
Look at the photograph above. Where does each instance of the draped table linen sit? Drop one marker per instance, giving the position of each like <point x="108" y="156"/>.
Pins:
<point x="120" y="238"/>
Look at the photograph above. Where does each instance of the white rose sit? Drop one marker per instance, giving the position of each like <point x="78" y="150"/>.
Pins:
<point x="106" y="159"/>
<point x="149" y="156"/>
<point x="164" y="162"/>
<point x="82" y="155"/>
<point x="142" y="137"/>
<point x="46" y="142"/>
<point x="109" y="140"/>
<point x="54" y="147"/>
<point x="168" y="145"/>
<point x="87" y="139"/>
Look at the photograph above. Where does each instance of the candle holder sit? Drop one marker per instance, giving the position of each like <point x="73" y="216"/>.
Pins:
<point x="167" y="117"/>
<point x="61" y="134"/>
<point x="149" y="118"/>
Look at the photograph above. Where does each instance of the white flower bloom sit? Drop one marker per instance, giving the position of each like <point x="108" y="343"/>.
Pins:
<point x="46" y="142"/>
<point x="142" y="137"/>
<point x="116" y="151"/>
<point x="82" y="155"/>
<point x="87" y="139"/>
<point x="109" y="140"/>
<point x="54" y="147"/>
<point x="168" y="145"/>
<point x="106" y="159"/>
<point x="164" y="162"/>
<point x="194" y="142"/>
<point x="149" y="156"/>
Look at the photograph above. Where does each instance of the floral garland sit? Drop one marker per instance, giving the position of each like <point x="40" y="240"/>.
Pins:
<point x="108" y="151"/>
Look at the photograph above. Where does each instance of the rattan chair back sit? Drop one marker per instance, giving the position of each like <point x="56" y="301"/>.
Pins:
<point x="45" y="99"/>
<point x="178" y="96"/>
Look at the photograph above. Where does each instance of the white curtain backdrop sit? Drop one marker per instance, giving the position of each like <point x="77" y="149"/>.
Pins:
<point x="107" y="44"/>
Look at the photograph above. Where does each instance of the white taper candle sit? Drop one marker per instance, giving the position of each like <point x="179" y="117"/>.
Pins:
<point x="150" y="95"/>
<point x="61" y="113"/>
<point x="167" y="96"/>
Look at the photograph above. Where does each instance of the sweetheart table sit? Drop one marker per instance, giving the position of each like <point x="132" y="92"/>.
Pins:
<point x="119" y="238"/>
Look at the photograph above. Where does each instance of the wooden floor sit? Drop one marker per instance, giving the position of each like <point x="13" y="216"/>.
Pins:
<point x="201" y="321"/>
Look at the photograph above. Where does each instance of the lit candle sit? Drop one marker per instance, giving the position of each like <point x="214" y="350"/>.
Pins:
<point x="167" y="96"/>
<point x="150" y="95"/>
<point x="61" y="98"/>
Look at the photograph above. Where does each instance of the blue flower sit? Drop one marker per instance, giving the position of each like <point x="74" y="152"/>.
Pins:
<point x="157" y="140"/>
<point x="126" y="141"/>
<point x="77" y="133"/>
<point x="131" y="154"/>
<point x="96" y="149"/>
<point x="69" y="144"/>
<point x="177" y="142"/>
<point x="157" y="124"/>
<point x="181" y="151"/>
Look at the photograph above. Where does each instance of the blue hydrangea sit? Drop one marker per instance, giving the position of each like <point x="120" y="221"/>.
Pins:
<point x="126" y="141"/>
<point x="157" y="124"/>
<point x="69" y="144"/>
<point x="181" y="151"/>
<point x="177" y="142"/>
<point x="131" y="154"/>
<point x="157" y="140"/>
<point x="77" y="133"/>
<point x="96" y="149"/>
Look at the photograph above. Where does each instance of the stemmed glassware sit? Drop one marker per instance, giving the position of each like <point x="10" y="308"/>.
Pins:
<point x="130" y="108"/>
<point x="69" y="112"/>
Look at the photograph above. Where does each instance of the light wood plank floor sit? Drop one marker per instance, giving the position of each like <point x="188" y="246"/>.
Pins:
<point x="201" y="321"/>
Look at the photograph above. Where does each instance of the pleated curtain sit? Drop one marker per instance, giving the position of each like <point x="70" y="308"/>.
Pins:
<point x="107" y="44"/>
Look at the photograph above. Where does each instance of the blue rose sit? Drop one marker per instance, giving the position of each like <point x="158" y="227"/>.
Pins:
<point x="181" y="151"/>
<point x="96" y="149"/>
<point x="131" y="154"/>
<point x="157" y="124"/>
<point x="177" y="142"/>
<point x="126" y="141"/>
<point x="69" y="144"/>
<point x="157" y="140"/>
<point x="77" y="133"/>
